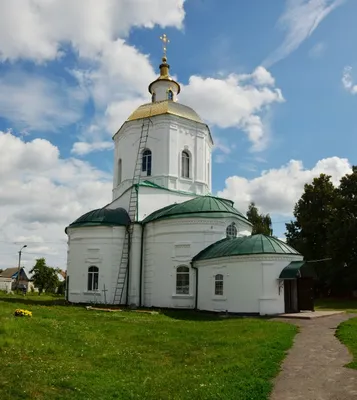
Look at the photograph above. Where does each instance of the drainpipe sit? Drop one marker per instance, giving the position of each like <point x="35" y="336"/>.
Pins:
<point x="196" y="294"/>
<point x="141" y="265"/>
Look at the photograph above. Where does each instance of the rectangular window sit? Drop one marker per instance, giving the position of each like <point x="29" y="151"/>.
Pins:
<point x="182" y="280"/>
<point x="146" y="162"/>
<point x="93" y="278"/>
<point x="218" y="285"/>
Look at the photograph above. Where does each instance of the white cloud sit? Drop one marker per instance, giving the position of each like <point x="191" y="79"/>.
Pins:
<point x="41" y="193"/>
<point x="32" y="102"/>
<point x="262" y="77"/>
<point x="114" y="74"/>
<point x="347" y="80"/>
<point x="83" y="148"/>
<point x="317" y="50"/>
<point x="89" y="27"/>
<point x="299" y="20"/>
<point x="276" y="191"/>
<point x="96" y="32"/>
<point x="235" y="101"/>
<point x="223" y="148"/>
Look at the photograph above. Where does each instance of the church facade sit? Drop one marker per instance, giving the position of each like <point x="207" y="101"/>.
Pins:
<point x="164" y="240"/>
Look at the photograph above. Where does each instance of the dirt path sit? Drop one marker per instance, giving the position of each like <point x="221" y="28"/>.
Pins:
<point x="314" y="368"/>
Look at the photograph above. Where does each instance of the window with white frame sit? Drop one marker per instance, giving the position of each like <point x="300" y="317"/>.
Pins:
<point x="146" y="162"/>
<point x="170" y="94"/>
<point x="231" y="231"/>
<point x="93" y="278"/>
<point x="218" y="285"/>
<point x="153" y="97"/>
<point x="182" y="280"/>
<point x="185" y="164"/>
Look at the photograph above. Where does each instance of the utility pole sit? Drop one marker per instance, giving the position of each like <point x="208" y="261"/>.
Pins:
<point x="19" y="266"/>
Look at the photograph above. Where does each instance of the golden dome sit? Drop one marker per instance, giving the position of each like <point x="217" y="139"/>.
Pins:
<point x="164" y="107"/>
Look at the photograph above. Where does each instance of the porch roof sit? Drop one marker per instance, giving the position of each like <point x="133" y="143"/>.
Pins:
<point x="292" y="271"/>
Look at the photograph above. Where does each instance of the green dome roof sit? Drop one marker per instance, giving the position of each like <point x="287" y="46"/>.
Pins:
<point x="102" y="216"/>
<point x="248" y="245"/>
<point x="202" y="206"/>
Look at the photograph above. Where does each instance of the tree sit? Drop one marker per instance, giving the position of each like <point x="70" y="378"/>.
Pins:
<point x="1" y="270"/>
<point x="313" y="216"/>
<point x="343" y="234"/>
<point x="325" y="226"/>
<point x="45" y="278"/>
<point x="309" y="233"/>
<point x="261" y="223"/>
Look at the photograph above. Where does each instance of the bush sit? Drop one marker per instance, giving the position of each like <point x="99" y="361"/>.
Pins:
<point x="61" y="288"/>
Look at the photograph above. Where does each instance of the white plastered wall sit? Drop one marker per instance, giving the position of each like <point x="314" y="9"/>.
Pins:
<point x="5" y="284"/>
<point x="172" y="243"/>
<point x="151" y="199"/>
<point x="161" y="88"/>
<point x="168" y="136"/>
<point x="250" y="284"/>
<point x="99" y="246"/>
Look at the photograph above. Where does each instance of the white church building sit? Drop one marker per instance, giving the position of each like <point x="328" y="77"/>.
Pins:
<point x="165" y="241"/>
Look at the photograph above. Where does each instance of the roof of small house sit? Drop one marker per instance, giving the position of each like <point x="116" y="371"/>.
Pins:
<point x="201" y="206"/>
<point x="248" y="245"/>
<point x="12" y="273"/>
<point x="102" y="216"/>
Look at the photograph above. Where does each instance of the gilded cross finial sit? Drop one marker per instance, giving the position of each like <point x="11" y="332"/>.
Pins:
<point x="165" y="40"/>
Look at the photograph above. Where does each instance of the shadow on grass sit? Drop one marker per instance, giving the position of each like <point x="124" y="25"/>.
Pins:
<point x="336" y="304"/>
<point x="183" y="315"/>
<point x="190" y="315"/>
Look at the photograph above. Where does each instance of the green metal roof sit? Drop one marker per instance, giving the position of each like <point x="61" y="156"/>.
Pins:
<point x="292" y="270"/>
<point x="248" y="245"/>
<point x="202" y="206"/>
<point x="102" y="216"/>
<point x="304" y="269"/>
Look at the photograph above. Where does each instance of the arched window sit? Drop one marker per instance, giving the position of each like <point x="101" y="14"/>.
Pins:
<point x="119" y="171"/>
<point x="218" y="285"/>
<point x="153" y="97"/>
<point x="185" y="164"/>
<point x="170" y="94"/>
<point x="93" y="277"/>
<point x="182" y="280"/>
<point x="231" y="231"/>
<point x="146" y="164"/>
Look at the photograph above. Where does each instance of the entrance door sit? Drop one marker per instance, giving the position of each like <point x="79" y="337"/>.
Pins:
<point x="290" y="296"/>
<point x="306" y="294"/>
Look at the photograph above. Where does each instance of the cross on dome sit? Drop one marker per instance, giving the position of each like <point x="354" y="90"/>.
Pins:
<point x="165" y="40"/>
<point x="164" y="87"/>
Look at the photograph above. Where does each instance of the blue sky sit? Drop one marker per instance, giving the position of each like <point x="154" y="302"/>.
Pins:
<point x="274" y="80"/>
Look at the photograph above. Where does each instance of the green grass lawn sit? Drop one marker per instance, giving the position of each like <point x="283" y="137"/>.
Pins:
<point x="347" y="331"/>
<point x="347" y="334"/>
<point x="67" y="352"/>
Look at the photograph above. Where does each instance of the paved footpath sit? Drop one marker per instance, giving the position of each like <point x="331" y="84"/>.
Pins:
<point x="314" y="367"/>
